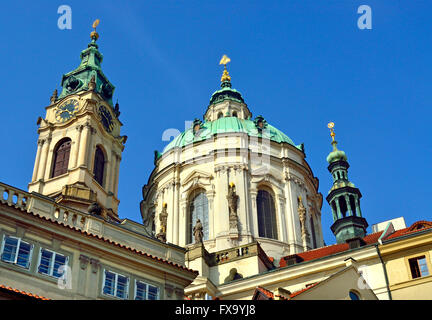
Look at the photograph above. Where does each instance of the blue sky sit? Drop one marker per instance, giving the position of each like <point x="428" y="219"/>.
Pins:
<point x="298" y="63"/>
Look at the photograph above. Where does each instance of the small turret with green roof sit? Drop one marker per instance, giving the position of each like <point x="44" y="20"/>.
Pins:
<point x="88" y="75"/>
<point x="344" y="197"/>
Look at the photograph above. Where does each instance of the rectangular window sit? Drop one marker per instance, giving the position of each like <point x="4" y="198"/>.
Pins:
<point x="115" y="285"/>
<point x="16" y="251"/>
<point x="145" y="291"/>
<point x="51" y="262"/>
<point x="418" y="267"/>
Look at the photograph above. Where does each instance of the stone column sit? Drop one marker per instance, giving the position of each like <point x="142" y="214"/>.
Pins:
<point x="333" y="212"/>
<point x="176" y="209"/>
<point x="45" y="154"/>
<point x="91" y="150"/>
<point x="117" y="171"/>
<point x="221" y="221"/>
<point x="294" y="239"/>
<point x="210" y="196"/>
<point x="75" y="153"/>
<point x="112" y="169"/>
<point x="38" y="156"/>
<point x="170" y="221"/>
<point x="245" y="204"/>
<point x="183" y="232"/>
<point x="282" y="226"/>
<point x="347" y="200"/>
<point x="108" y="170"/>
<point x="357" y="204"/>
<point x="339" y="212"/>
<point x="254" y="219"/>
<point x="84" y="146"/>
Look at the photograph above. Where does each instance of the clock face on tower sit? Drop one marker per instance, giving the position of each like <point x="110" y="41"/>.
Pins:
<point x="66" y="110"/>
<point x="106" y="118"/>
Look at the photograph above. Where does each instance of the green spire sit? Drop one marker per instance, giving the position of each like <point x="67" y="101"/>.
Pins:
<point x="344" y="197"/>
<point x="88" y="75"/>
<point x="336" y="154"/>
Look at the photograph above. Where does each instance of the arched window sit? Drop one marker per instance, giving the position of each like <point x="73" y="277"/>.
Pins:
<point x="99" y="166"/>
<point x="220" y="115"/>
<point x="198" y="209"/>
<point x="343" y="206"/>
<point x="267" y="227"/>
<point x="234" y="114"/>
<point x="352" y="205"/>
<point x="61" y="157"/>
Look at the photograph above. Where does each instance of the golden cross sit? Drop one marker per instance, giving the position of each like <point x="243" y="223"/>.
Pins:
<point x="332" y="133"/>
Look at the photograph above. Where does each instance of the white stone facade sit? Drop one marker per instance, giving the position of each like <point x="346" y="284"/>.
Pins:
<point x="86" y="132"/>
<point x="251" y="164"/>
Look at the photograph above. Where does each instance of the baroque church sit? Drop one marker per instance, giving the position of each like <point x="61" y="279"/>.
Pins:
<point x="230" y="211"/>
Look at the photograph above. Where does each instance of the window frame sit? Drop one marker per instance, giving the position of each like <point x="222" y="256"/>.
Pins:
<point x="205" y="219"/>
<point x="64" y="168"/>
<point x="16" y="254"/>
<point x="147" y="284"/>
<point x="355" y="293"/>
<point x="116" y="274"/>
<point x="417" y="258"/>
<point x="264" y="217"/>
<point x="52" y="262"/>
<point x="99" y="154"/>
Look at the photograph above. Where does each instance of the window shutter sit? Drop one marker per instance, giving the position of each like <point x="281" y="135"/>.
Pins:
<point x="99" y="166"/>
<point x="61" y="158"/>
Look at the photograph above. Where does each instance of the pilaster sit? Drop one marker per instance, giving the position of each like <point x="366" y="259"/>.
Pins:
<point x="38" y="157"/>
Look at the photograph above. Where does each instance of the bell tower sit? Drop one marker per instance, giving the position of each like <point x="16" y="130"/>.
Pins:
<point x="344" y="197"/>
<point x="79" y="145"/>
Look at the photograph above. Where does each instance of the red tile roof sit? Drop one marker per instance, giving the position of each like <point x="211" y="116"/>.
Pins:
<point x="368" y="239"/>
<point x="114" y="243"/>
<point x="35" y="296"/>
<point x="265" y="292"/>
<point x="415" y="227"/>
<point x="270" y="295"/>
<point x="281" y="297"/>
<point x="329" y="250"/>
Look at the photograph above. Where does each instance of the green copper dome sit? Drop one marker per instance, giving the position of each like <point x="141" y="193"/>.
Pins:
<point x="336" y="154"/>
<point x="226" y="93"/>
<point x="227" y="125"/>
<point x="89" y="68"/>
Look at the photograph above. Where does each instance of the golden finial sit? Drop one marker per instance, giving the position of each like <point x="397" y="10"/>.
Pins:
<point x="232" y="184"/>
<point x="94" y="35"/>
<point x="332" y="133"/>
<point x="225" y="76"/>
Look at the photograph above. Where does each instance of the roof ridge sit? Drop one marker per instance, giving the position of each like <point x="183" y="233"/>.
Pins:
<point x="23" y="292"/>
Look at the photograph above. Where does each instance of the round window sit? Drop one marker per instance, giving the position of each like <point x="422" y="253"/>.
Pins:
<point x="354" y="296"/>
